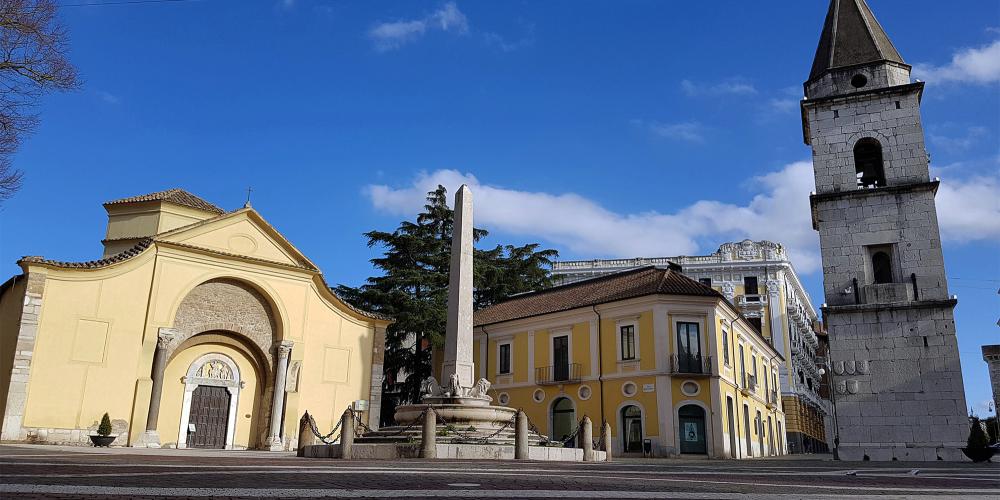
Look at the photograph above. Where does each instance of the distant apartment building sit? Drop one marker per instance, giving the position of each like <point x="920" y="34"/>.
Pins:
<point x="758" y="278"/>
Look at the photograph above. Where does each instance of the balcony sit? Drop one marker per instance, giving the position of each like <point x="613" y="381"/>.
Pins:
<point x="691" y="365"/>
<point x="886" y="293"/>
<point x="559" y="374"/>
<point x="750" y="387"/>
<point x="772" y="400"/>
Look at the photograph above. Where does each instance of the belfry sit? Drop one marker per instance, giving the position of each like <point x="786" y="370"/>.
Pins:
<point x="898" y="391"/>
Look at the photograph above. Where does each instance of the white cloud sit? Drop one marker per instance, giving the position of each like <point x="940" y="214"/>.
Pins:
<point x="783" y="105"/>
<point x="684" y="131"/>
<point x="961" y="143"/>
<point x="393" y="35"/>
<point x="733" y="86"/>
<point x="781" y="213"/>
<point x="972" y="65"/>
<point x="969" y="209"/>
<point x="108" y="97"/>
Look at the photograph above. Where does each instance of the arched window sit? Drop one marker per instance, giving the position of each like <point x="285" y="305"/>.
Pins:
<point x="868" y="163"/>
<point x="882" y="267"/>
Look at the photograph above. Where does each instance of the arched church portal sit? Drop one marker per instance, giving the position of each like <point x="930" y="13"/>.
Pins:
<point x="211" y="396"/>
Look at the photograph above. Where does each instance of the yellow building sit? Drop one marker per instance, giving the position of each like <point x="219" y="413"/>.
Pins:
<point x="657" y="355"/>
<point x="198" y="328"/>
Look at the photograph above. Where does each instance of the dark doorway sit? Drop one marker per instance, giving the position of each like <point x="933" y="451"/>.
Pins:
<point x="733" y="452"/>
<point x="882" y="267"/>
<point x="746" y="430"/>
<point x="632" y="429"/>
<point x="209" y="417"/>
<point x="563" y="421"/>
<point x="691" y="420"/>
<point x="560" y="357"/>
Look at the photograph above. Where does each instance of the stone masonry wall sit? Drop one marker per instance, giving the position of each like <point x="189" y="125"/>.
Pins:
<point x="991" y="354"/>
<point x="893" y="118"/>
<point x="17" y="395"/>
<point x="898" y="383"/>
<point x="908" y="221"/>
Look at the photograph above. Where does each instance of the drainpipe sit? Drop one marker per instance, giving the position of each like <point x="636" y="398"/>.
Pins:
<point x="600" y="363"/>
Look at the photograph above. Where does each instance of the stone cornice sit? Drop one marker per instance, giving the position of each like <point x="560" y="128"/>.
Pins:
<point x="917" y="304"/>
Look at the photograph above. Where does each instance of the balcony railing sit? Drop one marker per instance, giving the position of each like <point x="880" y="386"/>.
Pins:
<point x="772" y="399"/>
<point x="750" y="387"/>
<point x="559" y="374"/>
<point x="691" y="364"/>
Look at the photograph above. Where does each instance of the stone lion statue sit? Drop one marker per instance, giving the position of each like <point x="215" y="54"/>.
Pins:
<point x="430" y="387"/>
<point x="480" y="389"/>
<point x="455" y="388"/>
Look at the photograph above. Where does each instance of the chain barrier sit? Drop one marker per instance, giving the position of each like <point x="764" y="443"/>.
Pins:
<point x="321" y="437"/>
<point x="359" y="424"/>
<point x="466" y="438"/>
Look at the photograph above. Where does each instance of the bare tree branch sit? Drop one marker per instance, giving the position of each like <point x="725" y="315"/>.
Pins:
<point x="33" y="61"/>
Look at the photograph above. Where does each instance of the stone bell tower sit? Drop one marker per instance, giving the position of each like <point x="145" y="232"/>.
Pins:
<point x="893" y="350"/>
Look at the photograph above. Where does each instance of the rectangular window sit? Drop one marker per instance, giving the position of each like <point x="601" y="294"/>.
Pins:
<point x="705" y="281"/>
<point x="750" y="285"/>
<point x="628" y="342"/>
<point x="688" y="348"/>
<point x="725" y="347"/>
<point x="753" y="364"/>
<point x="504" y="359"/>
<point x="767" y="387"/>
<point x="756" y="323"/>
<point x="743" y="367"/>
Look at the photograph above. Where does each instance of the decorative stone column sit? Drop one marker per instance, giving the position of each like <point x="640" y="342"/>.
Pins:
<point x="284" y="348"/>
<point x="151" y="438"/>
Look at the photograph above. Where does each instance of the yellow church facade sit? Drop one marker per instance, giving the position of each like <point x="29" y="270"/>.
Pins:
<point x="198" y="328"/>
<point x="668" y="362"/>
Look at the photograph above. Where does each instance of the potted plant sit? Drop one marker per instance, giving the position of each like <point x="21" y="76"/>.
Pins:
<point x="103" y="436"/>
<point x="977" y="448"/>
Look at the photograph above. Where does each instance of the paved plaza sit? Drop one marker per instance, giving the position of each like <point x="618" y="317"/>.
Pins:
<point x="60" y="472"/>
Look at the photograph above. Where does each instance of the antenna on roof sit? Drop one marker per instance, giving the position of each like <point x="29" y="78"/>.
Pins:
<point x="247" y="204"/>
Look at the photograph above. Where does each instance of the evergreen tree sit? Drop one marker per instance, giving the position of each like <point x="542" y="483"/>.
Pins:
<point x="413" y="290"/>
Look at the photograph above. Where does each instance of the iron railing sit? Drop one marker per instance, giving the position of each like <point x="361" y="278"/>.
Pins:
<point x="559" y="374"/>
<point x="691" y="364"/>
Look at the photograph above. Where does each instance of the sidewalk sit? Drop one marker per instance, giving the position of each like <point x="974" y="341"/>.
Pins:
<point x="24" y="449"/>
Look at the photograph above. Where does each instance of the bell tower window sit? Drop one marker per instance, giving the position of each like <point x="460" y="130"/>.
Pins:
<point x="882" y="267"/>
<point x="868" y="163"/>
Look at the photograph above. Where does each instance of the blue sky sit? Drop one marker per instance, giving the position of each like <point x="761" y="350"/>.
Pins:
<point x="597" y="128"/>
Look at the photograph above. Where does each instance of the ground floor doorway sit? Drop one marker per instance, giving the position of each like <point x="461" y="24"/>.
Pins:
<point x="691" y="421"/>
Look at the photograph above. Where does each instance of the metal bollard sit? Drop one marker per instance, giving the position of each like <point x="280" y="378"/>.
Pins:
<point x="606" y="440"/>
<point x="346" y="434"/>
<point x="588" y="439"/>
<point x="306" y="436"/>
<point x="520" y="436"/>
<point x="429" y="436"/>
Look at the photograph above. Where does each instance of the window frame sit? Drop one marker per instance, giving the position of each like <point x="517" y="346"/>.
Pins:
<point x="633" y="351"/>
<point x="725" y="347"/>
<point x="510" y="358"/>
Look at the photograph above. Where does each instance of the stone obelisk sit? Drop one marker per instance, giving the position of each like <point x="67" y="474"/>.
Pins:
<point x="458" y="335"/>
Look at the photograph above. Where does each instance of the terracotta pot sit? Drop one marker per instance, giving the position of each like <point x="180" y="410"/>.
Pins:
<point x="979" y="454"/>
<point x="102" y="441"/>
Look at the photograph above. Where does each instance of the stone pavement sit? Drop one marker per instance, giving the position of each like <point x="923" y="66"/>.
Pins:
<point x="60" y="472"/>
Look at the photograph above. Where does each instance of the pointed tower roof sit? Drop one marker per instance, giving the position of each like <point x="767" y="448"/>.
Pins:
<point x="851" y="35"/>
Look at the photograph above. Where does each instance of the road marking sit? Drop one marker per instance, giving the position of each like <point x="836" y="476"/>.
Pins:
<point x="353" y="493"/>
<point x="536" y="475"/>
<point x="463" y="485"/>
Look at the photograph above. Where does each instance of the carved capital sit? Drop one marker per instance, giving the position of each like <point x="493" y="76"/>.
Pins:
<point x="164" y="336"/>
<point x="283" y="348"/>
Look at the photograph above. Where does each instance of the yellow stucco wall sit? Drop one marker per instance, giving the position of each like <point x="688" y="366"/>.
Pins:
<point x="656" y="387"/>
<point x="98" y="329"/>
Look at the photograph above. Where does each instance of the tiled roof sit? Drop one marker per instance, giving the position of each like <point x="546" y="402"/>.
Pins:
<point x="639" y="282"/>
<point x="122" y="256"/>
<point x="176" y="196"/>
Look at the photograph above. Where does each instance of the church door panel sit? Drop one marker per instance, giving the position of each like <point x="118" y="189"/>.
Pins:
<point x="209" y="416"/>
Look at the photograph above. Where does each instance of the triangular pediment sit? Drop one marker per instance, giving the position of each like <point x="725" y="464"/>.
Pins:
<point x="243" y="233"/>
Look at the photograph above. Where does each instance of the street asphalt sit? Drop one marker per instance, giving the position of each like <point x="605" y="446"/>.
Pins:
<point x="64" y="472"/>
